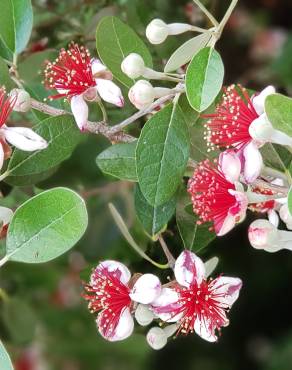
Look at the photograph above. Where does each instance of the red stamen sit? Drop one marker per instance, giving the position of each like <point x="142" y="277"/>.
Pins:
<point x="71" y="72"/>
<point x="210" y="196"/>
<point x="6" y="105"/>
<point x="108" y="294"/>
<point x="228" y="126"/>
<point x="264" y="206"/>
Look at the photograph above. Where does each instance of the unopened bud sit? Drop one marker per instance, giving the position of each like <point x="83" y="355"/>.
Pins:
<point x="23" y="100"/>
<point x="156" y="338"/>
<point x="263" y="235"/>
<point x="286" y="216"/>
<point x="157" y="31"/>
<point x="133" y="65"/>
<point x="142" y="94"/>
<point x="143" y="315"/>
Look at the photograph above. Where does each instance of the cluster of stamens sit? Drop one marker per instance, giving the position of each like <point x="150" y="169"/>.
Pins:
<point x="262" y="207"/>
<point x="228" y="126"/>
<point x="108" y="294"/>
<point x="6" y="105"/>
<point x="210" y="193"/>
<point x="70" y="73"/>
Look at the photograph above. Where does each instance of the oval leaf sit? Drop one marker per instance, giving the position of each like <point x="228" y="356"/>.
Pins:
<point x="16" y="20"/>
<point x="46" y="226"/>
<point x="114" y="41"/>
<point x="62" y="135"/>
<point x="5" y="362"/>
<point x="279" y="111"/>
<point x="153" y="219"/>
<point x="186" y="52"/>
<point x="162" y="154"/>
<point x="204" y="78"/>
<point x="119" y="161"/>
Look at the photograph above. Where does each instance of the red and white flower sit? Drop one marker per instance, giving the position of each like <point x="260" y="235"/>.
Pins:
<point x="114" y="296"/>
<point x="217" y="197"/>
<point x="195" y="303"/>
<point x="22" y="138"/>
<point x="240" y="122"/>
<point x="79" y="78"/>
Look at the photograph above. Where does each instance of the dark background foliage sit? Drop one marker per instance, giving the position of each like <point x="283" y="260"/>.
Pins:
<point x="45" y="322"/>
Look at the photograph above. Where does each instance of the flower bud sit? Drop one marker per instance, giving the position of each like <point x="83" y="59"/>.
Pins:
<point x="146" y="289"/>
<point x="143" y="315"/>
<point x="156" y="338"/>
<point x="230" y="165"/>
<point x="23" y="100"/>
<point x="142" y="94"/>
<point x="157" y="31"/>
<point x="286" y="216"/>
<point x="133" y="65"/>
<point x="263" y="235"/>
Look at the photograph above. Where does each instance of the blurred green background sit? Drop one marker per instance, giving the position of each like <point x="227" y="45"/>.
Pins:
<point x="43" y="321"/>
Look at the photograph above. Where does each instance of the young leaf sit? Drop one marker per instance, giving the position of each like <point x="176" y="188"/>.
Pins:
<point x="153" y="219"/>
<point x="62" y="136"/>
<point x="46" y="226"/>
<point x="5" y="362"/>
<point x="119" y="161"/>
<point x="279" y="111"/>
<point x="186" y="52"/>
<point x="114" y="41"/>
<point x="194" y="236"/>
<point x="204" y="78"/>
<point x="16" y="20"/>
<point x="162" y="154"/>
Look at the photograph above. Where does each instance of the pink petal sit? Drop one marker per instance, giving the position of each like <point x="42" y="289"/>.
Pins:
<point x="123" y="329"/>
<point x="229" y="288"/>
<point x="230" y="165"/>
<point x="165" y="305"/>
<point x="2" y="155"/>
<point x="228" y="224"/>
<point x="202" y="328"/>
<point x="97" y="67"/>
<point x="109" y="92"/>
<point x="146" y="289"/>
<point x="258" y="101"/>
<point x="253" y="162"/>
<point x="188" y="268"/>
<point x="121" y="270"/>
<point x="79" y="109"/>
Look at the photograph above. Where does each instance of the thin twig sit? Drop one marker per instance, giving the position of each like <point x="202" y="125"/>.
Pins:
<point x="206" y="12"/>
<point x="169" y="256"/>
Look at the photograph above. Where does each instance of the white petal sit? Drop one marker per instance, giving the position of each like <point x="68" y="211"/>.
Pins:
<point x="258" y="101"/>
<point x="143" y="315"/>
<point x="202" y="330"/>
<point x="123" y="272"/>
<point x="228" y="286"/>
<point x="97" y="66"/>
<point x="188" y="268"/>
<point x="210" y="266"/>
<point x="285" y="214"/>
<point x="146" y="289"/>
<point x="253" y="162"/>
<point x="6" y="215"/>
<point x="1" y="156"/>
<point x="124" y="328"/>
<point x="273" y="217"/>
<point x="156" y="338"/>
<point x="227" y="225"/>
<point x="79" y="109"/>
<point x="109" y="92"/>
<point x="166" y="304"/>
<point x="230" y="165"/>
<point x="24" y="138"/>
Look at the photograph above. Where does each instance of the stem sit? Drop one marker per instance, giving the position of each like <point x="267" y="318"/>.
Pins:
<point x="169" y="256"/>
<point x="3" y="176"/>
<point x="4" y="260"/>
<point x="227" y="16"/>
<point x="207" y="13"/>
<point x="267" y="171"/>
<point x="4" y="295"/>
<point x="103" y="111"/>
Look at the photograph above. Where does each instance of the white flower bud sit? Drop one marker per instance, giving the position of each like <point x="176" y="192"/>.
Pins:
<point x="157" y="31"/>
<point x="142" y="94"/>
<point x="133" y="65"/>
<point x="143" y="315"/>
<point x="263" y="235"/>
<point x="156" y="338"/>
<point x="286" y="216"/>
<point x="23" y="100"/>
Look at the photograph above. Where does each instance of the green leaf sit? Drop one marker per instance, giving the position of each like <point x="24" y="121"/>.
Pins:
<point x="162" y="154"/>
<point x="5" y="79"/>
<point x="186" y="52"/>
<point x="5" y="362"/>
<point x="62" y="135"/>
<point x="290" y="201"/>
<point x="119" y="161"/>
<point x="279" y="111"/>
<point x="204" y="78"/>
<point x="16" y="21"/>
<point x="114" y="41"/>
<point x="153" y="219"/>
<point x="276" y="156"/>
<point x="194" y="236"/>
<point x="46" y="226"/>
